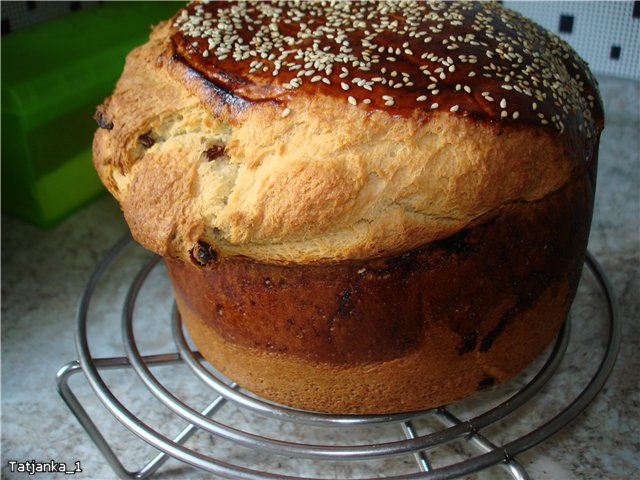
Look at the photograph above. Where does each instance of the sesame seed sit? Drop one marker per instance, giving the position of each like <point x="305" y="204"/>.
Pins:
<point x="454" y="108"/>
<point x="434" y="106"/>
<point x="352" y="100"/>
<point x="252" y="36"/>
<point x="286" y="112"/>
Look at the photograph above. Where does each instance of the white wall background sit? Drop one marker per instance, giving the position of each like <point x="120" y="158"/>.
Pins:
<point x="597" y="27"/>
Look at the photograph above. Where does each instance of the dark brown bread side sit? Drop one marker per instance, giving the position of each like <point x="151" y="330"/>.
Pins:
<point x="396" y="334"/>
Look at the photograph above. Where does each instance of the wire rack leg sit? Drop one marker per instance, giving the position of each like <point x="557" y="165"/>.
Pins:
<point x="421" y="456"/>
<point x="62" y="380"/>
<point x="483" y="444"/>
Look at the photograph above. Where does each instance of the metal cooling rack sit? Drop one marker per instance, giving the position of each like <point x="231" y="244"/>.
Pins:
<point x="424" y="448"/>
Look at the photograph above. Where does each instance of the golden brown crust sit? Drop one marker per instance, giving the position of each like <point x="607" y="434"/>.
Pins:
<point x="427" y="377"/>
<point x="403" y="333"/>
<point x="323" y="184"/>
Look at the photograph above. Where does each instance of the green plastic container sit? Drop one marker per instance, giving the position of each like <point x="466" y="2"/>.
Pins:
<point x="53" y="77"/>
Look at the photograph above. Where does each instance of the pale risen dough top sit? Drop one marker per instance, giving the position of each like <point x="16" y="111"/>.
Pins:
<point x="314" y="173"/>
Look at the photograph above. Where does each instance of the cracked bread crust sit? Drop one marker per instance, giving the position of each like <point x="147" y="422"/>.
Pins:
<point x="325" y="183"/>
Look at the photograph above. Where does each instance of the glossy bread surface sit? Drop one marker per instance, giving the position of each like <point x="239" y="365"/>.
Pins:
<point x="401" y="57"/>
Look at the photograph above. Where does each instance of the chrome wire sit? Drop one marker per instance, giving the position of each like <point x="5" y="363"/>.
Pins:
<point x="230" y="394"/>
<point x="410" y="445"/>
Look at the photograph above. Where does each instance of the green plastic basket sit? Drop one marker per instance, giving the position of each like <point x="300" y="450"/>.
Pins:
<point x="53" y="77"/>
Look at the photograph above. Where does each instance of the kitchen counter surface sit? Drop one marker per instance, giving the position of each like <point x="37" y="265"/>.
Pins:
<point x="44" y="273"/>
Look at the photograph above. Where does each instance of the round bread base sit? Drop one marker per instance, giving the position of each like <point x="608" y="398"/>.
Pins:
<point x="431" y="375"/>
<point x="395" y="334"/>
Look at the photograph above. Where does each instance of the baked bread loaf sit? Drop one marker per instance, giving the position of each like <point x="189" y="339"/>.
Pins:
<point x="364" y="207"/>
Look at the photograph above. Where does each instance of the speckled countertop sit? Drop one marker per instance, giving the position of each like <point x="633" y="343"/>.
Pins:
<point x="44" y="273"/>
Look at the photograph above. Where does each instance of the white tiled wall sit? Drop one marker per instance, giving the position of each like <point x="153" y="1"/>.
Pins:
<point x="20" y="15"/>
<point x="598" y="27"/>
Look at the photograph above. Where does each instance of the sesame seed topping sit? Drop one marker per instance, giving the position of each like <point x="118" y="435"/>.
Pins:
<point x="434" y="106"/>
<point x="377" y="48"/>
<point x="455" y="108"/>
<point x="286" y="112"/>
<point x="352" y="100"/>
